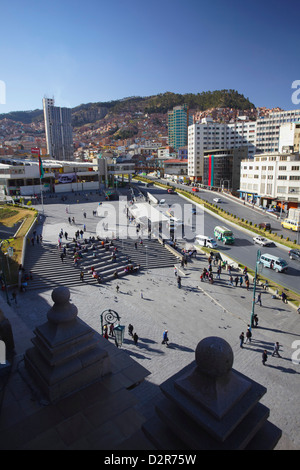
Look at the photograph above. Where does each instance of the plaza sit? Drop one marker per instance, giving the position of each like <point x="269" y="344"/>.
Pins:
<point x="152" y="302"/>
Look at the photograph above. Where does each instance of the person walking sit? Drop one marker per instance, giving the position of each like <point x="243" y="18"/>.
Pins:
<point x="255" y="320"/>
<point x="165" y="338"/>
<point x="62" y="257"/>
<point x="258" y="299"/>
<point x="81" y="276"/>
<point x="264" y="357"/>
<point x="276" y="350"/>
<point x="236" y="280"/>
<point x="248" y="335"/>
<point x="179" y="282"/>
<point x="117" y="288"/>
<point x="242" y="338"/>
<point x="130" y="329"/>
<point x="241" y="281"/>
<point x="135" y="338"/>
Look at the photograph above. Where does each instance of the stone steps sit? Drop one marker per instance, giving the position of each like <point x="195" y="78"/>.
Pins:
<point x="49" y="271"/>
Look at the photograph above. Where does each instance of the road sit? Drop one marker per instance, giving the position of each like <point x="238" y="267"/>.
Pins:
<point x="244" y="250"/>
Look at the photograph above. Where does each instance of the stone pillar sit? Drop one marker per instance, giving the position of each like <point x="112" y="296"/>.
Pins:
<point x="210" y="406"/>
<point x="66" y="355"/>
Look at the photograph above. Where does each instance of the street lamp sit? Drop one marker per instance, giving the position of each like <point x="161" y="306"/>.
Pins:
<point x="119" y="335"/>
<point x="254" y="287"/>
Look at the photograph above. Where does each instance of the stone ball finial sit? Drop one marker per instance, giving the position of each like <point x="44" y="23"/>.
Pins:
<point x="214" y="357"/>
<point x="62" y="310"/>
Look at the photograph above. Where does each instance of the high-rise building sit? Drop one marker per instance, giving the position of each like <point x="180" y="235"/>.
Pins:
<point x="178" y="121"/>
<point x="268" y="129"/>
<point x="208" y="135"/>
<point x="58" y="128"/>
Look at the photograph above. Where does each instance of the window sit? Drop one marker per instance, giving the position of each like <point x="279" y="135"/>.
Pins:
<point x="283" y="168"/>
<point x="295" y="178"/>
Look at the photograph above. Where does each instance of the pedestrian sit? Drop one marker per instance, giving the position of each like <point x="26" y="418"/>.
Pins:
<point x="242" y="338"/>
<point x="82" y="276"/>
<point x="284" y="297"/>
<point x="111" y="329"/>
<point x="135" y="338"/>
<point x="117" y="288"/>
<point x="179" y="282"/>
<point x="130" y="329"/>
<point x="231" y="281"/>
<point x="236" y="280"/>
<point x="175" y="270"/>
<point x="264" y="357"/>
<point x="165" y="338"/>
<point x="255" y="320"/>
<point x="247" y="284"/>
<point x="258" y="299"/>
<point x="62" y="257"/>
<point x="276" y="350"/>
<point x="105" y="333"/>
<point x="241" y="281"/>
<point x="248" y="335"/>
<point x="218" y="272"/>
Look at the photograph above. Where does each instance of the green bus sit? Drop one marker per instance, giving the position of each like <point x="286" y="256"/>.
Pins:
<point x="224" y="235"/>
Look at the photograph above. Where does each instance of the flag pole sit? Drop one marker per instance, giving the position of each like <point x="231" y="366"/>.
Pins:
<point x="41" y="176"/>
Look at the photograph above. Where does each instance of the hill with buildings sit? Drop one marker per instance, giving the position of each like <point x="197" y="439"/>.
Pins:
<point x="161" y="103"/>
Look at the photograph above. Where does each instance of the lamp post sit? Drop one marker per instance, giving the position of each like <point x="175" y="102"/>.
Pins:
<point x="119" y="335"/>
<point x="254" y="287"/>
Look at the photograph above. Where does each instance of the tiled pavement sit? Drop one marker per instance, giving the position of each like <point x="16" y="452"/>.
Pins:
<point x="152" y="302"/>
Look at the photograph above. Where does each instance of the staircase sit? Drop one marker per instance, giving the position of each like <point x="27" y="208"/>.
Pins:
<point x="49" y="271"/>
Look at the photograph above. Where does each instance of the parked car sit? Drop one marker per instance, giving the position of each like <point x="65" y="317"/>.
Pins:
<point x="171" y="191"/>
<point x="265" y="225"/>
<point x="217" y="199"/>
<point x="195" y="190"/>
<point x="294" y="254"/>
<point x="262" y="241"/>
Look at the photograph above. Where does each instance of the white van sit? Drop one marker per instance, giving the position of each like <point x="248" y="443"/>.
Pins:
<point x="273" y="262"/>
<point x="203" y="240"/>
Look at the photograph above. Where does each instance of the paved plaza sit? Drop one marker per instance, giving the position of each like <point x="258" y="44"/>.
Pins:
<point x="152" y="302"/>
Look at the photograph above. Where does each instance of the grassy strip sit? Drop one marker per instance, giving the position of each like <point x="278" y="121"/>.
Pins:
<point x="9" y="218"/>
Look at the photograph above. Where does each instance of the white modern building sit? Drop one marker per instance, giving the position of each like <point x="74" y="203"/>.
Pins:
<point x="268" y="129"/>
<point x="207" y="134"/>
<point x="58" y="129"/>
<point x="271" y="179"/>
<point x="289" y="136"/>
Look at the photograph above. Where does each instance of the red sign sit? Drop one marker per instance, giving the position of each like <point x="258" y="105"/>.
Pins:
<point x="35" y="150"/>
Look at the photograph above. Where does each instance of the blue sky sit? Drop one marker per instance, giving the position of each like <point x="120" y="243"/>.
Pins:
<point x="90" y="51"/>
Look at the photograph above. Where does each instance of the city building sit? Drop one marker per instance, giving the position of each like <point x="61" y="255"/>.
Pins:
<point x="268" y="129"/>
<point x="207" y="135"/>
<point x="58" y="129"/>
<point x="289" y="136"/>
<point x="178" y="121"/>
<point x="175" y="169"/>
<point x="272" y="179"/>
<point x="222" y="168"/>
<point x="21" y="177"/>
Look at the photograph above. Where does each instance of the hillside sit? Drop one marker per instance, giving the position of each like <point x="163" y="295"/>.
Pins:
<point x="92" y="112"/>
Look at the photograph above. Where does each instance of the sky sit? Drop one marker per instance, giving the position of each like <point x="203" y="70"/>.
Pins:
<point x="99" y="51"/>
